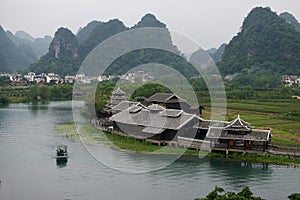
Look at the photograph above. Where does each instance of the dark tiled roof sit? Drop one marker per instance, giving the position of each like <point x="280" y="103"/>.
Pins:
<point x="254" y="135"/>
<point x="160" y="97"/>
<point x="135" y="109"/>
<point x="140" y="98"/>
<point x="123" y="105"/>
<point x="155" y="119"/>
<point x="155" y="107"/>
<point x="212" y="123"/>
<point x="171" y="113"/>
<point x="153" y="130"/>
<point x="175" y="100"/>
<point x="144" y="117"/>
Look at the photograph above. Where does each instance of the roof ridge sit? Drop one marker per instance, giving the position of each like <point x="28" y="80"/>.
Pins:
<point x="241" y="122"/>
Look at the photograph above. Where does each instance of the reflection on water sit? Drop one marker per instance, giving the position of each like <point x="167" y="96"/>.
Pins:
<point x="38" y="105"/>
<point x="61" y="162"/>
<point x="29" y="167"/>
<point x="243" y="172"/>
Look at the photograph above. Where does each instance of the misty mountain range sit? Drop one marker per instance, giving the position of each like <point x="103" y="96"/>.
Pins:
<point x="18" y="51"/>
<point x="267" y="41"/>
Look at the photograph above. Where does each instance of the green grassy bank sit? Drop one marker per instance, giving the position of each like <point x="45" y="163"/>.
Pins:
<point x="90" y="135"/>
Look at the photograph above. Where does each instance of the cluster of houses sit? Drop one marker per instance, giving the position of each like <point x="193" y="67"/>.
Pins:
<point x="139" y="76"/>
<point x="166" y="119"/>
<point x="31" y="77"/>
<point x="289" y="80"/>
<point x="52" y="78"/>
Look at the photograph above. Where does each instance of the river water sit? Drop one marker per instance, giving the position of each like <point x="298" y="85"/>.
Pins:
<point x="28" y="170"/>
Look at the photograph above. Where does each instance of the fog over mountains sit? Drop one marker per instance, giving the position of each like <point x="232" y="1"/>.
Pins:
<point x="18" y="51"/>
<point x="266" y="43"/>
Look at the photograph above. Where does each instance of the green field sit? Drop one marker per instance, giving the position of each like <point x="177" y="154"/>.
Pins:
<point x="283" y="117"/>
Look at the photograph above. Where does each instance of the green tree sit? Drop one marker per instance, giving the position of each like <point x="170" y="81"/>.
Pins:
<point x="103" y="94"/>
<point x="44" y="93"/>
<point x="149" y="89"/>
<point x="4" y="81"/>
<point x="294" y="196"/>
<point x="219" y="194"/>
<point x="3" y="100"/>
<point x="34" y="93"/>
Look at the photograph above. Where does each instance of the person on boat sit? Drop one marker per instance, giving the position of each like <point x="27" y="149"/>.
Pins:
<point x="61" y="152"/>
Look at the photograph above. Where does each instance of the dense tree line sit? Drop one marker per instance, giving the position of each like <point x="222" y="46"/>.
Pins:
<point x="36" y="93"/>
<point x="237" y="90"/>
<point x="4" y="81"/>
<point x="145" y="56"/>
<point x="51" y="93"/>
<point x="220" y="194"/>
<point x="149" y="89"/>
<point x="3" y="100"/>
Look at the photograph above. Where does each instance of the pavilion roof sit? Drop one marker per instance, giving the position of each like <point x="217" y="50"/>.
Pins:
<point x="118" y="91"/>
<point x="238" y="125"/>
<point x="164" y="98"/>
<point x="144" y="116"/>
<point x="123" y="105"/>
<point x="253" y="135"/>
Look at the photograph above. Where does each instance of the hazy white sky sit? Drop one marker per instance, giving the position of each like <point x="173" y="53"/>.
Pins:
<point x="208" y="22"/>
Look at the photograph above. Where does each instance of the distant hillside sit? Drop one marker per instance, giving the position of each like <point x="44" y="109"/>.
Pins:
<point x="62" y="57"/>
<point x="289" y="18"/>
<point x="265" y="48"/>
<point x="41" y="45"/>
<point x="149" y="20"/>
<point x="24" y="35"/>
<point x="3" y="65"/>
<point x="100" y="33"/>
<point x="25" y="46"/>
<point x="200" y="56"/>
<point x="144" y="56"/>
<point x="85" y="32"/>
<point x="217" y="55"/>
<point x="13" y="56"/>
<point x="63" y="61"/>
<point x="35" y="48"/>
<point x="65" y="54"/>
<point x="211" y="51"/>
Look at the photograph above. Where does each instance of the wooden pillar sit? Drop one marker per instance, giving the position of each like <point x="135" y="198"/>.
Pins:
<point x="227" y="145"/>
<point x="227" y="152"/>
<point x="264" y="146"/>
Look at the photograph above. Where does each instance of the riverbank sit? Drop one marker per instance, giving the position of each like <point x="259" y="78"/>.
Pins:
<point x="90" y="135"/>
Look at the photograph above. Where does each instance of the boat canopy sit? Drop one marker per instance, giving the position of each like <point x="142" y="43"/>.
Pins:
<point x="64" y="147"/>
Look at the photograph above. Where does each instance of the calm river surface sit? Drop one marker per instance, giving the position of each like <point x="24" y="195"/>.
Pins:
<point x="28" y="170"/>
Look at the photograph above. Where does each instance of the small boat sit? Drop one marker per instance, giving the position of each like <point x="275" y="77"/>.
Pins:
<point x="61" y="152"/>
